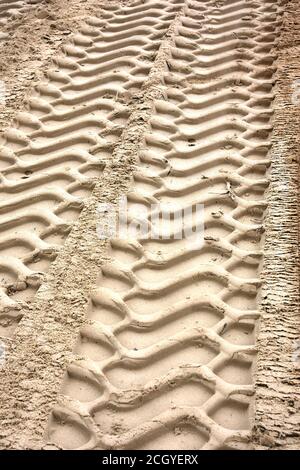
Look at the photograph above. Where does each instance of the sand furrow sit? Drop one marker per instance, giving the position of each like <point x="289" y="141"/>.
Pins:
<point x="165" y="359"/>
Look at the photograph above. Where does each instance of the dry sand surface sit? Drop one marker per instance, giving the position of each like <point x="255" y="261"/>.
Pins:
<point x="146" y="343"/>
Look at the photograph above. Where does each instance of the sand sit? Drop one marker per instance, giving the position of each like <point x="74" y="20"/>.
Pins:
<point x="139" y="343"/>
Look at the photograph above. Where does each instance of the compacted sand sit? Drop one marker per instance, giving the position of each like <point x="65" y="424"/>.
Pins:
<point x="139" y="343"/>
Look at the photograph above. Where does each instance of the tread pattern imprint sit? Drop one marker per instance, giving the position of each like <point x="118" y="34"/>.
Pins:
<point x="165" y="359"/>
<point x="58" y="146"/>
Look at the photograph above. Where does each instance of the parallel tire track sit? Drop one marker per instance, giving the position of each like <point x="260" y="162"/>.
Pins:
<point x="60" y="144"/>
<point x="166" y="355"/>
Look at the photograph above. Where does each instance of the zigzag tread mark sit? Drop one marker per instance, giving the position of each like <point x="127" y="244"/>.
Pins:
<point x="165" y="357"/>
<point x="56" y="150"/>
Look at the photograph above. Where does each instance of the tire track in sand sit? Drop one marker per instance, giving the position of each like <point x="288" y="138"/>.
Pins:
<point x="166" y="355"/>
<point x="57" y="148"/>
